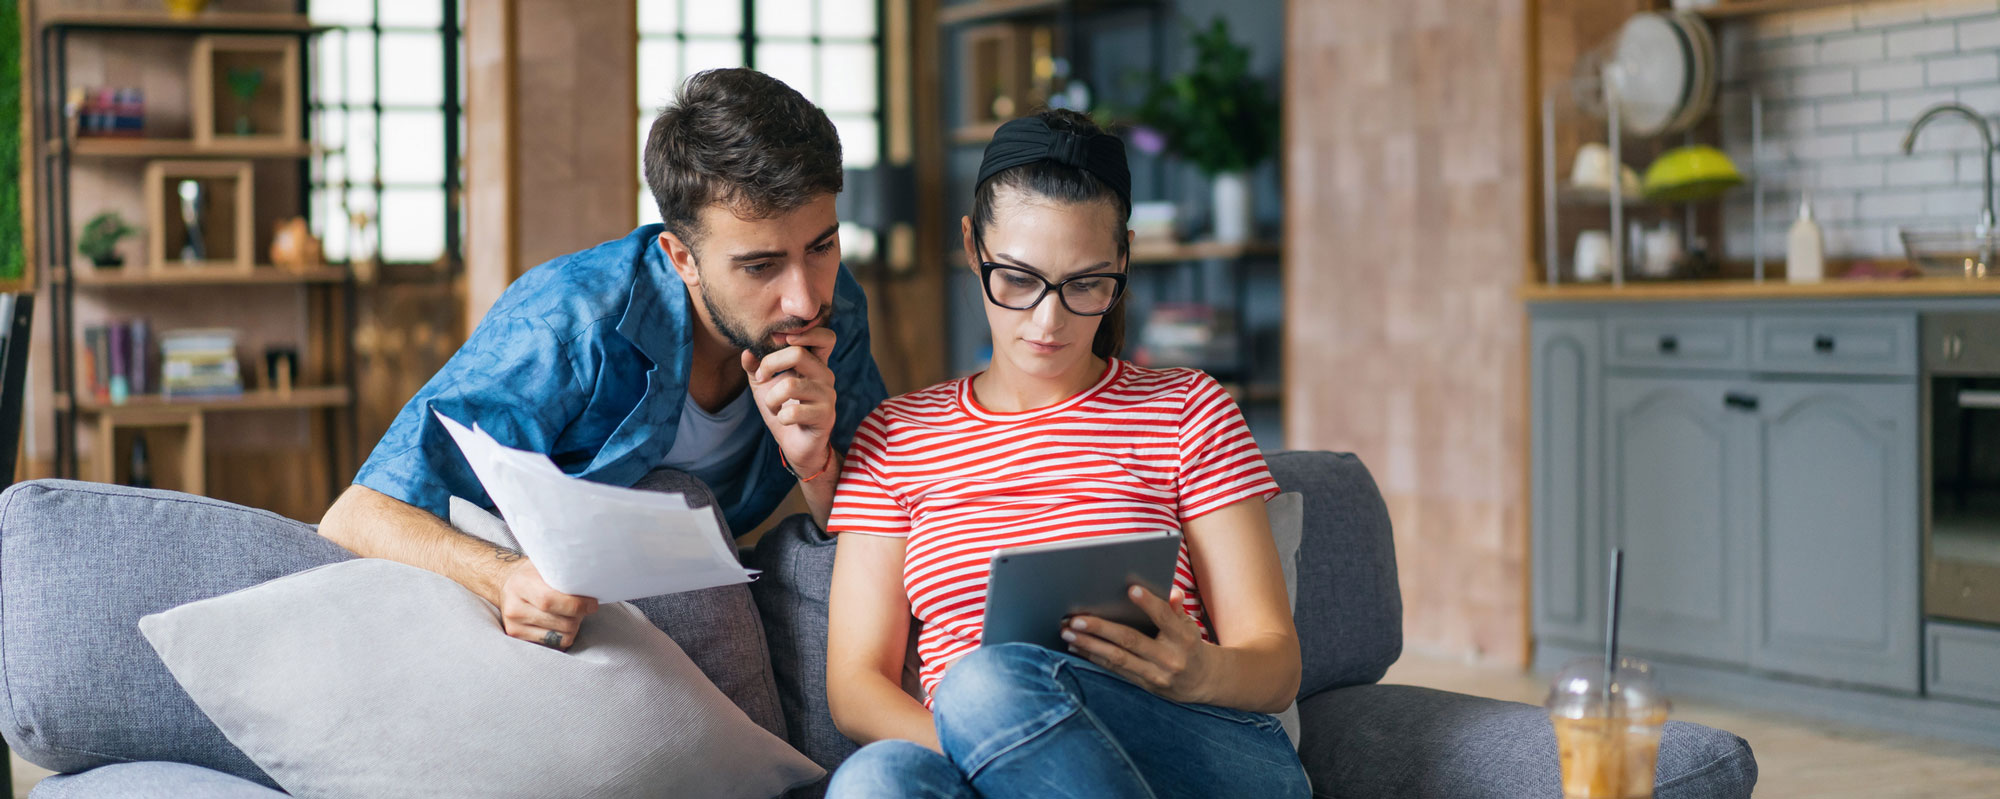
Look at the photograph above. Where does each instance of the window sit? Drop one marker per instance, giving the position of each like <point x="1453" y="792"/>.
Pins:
<point x="385" y="106"/>
<point x="827" y="49"/>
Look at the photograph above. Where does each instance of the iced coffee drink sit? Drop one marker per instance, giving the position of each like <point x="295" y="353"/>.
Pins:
<point x="1607" y="741"/>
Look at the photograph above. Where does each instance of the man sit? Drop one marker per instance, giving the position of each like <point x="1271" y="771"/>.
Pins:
<point x="713" y="344"/>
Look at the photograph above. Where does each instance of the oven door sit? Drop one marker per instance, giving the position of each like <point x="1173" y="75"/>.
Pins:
<point x="1962" y="566"/>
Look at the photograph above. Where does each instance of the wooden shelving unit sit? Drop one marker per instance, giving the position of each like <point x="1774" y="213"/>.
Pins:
<point x="279" y="137"/>
<point x="108" y="147"/>
<point x="259" y="400"/>
<point x="989" y="10"/>
<point x="131" y="276"/>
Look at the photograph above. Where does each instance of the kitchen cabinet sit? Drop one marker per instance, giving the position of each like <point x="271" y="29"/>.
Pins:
<point x="1677" y="482"/>
<point x="1568" y="536"/>
<point x="1835" y="563"/>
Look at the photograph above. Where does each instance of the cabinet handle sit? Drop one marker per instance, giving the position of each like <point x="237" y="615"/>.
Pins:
<point x="1670" y="344"/>
<point x="1740" y="402"/>
<point x="1983" y="400"/>
<point x="1823" y="344"/>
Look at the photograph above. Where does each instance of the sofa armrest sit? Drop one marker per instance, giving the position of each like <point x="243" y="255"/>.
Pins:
<point x="1404" y="742"/>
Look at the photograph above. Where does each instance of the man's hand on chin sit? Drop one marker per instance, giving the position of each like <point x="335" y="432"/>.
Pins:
<point x="794" y="391"/>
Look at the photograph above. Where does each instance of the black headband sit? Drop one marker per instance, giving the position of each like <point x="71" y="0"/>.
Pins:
<point x="1028" y="140"/>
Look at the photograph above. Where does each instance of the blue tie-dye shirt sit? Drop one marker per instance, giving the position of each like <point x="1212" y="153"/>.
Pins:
<point x="586" y="358"/>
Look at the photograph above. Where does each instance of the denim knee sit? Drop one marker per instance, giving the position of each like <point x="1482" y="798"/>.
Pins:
<point x="893" y="769"/>
<point x="1003" y="690"/>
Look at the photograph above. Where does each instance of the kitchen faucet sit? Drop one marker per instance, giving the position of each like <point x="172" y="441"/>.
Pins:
<point x="1986" y="152"/>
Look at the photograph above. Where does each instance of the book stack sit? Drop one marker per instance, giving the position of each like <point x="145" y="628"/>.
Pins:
<point x="199" y="363"/>
<point x="117" y="360"/>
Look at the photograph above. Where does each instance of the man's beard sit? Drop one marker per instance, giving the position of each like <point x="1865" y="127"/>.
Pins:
<point x="739" y="336"/>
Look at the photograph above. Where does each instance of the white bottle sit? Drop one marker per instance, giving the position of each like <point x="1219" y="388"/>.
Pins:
<point x="1805" y="252"/>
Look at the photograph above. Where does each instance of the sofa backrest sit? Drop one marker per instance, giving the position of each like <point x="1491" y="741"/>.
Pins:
<point x="1349" y="610"/>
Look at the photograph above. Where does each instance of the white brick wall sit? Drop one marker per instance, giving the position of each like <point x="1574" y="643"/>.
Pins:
<point x="1841" y="86"/>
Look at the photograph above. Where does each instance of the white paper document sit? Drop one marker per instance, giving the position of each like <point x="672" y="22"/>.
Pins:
<point x="595" y="540"/>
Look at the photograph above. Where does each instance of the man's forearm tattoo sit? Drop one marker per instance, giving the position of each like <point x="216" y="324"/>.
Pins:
<point x="506" y="555"/>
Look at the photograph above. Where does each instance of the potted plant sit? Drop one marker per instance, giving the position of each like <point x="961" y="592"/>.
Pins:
<point x="99" y="241"/>
<point x="1221" y="118"/>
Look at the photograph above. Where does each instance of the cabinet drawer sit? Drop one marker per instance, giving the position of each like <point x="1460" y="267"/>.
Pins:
<point x="1962" y="662"/>
<point x="1706" y="342"/>
<point x="1842" y="344"/>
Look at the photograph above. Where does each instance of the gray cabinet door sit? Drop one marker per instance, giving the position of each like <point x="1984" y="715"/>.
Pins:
<point x="1568" y="544"/>
<point x="1677" y="465"/>
<point x="1835" y="566"/>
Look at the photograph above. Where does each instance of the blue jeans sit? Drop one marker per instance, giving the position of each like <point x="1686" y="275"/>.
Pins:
<point x="1022" y="720"/>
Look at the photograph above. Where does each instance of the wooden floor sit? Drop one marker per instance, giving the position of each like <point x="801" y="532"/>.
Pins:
<point x="1795" y="757"/>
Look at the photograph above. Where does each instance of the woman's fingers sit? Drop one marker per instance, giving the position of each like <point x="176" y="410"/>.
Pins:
<point x="1118" y="659"/>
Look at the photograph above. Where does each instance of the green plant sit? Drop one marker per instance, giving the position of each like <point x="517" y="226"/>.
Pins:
<point x="1218" y="115"/>
<point x="13" y="256"/>
<point x="99" y="240"/>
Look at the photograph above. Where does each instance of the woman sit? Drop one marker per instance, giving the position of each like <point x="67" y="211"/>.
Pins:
<point x="1058" y="440"/>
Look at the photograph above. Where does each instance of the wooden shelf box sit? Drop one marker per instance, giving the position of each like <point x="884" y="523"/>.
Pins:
<point x="174" y="449"/>
<point x="271" y="114"/>
<point x="999" y="76"/>
<point x="227" y="206"/>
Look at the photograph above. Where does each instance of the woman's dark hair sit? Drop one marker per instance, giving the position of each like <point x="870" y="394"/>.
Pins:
<point x="742" y="139"/>
<point x="1069" y="185"/>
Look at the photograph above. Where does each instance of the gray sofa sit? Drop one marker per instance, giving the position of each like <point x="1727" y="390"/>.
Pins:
<point x="83" y="694"/>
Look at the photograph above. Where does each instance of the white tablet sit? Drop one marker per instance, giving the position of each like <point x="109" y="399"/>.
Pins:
<point x="1030" y="590"/>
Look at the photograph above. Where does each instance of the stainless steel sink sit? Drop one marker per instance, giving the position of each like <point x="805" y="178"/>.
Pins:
<point x="1954" y="252"/>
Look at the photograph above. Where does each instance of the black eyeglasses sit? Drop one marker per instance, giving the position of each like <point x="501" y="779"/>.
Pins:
<point x="1019" y="289"/>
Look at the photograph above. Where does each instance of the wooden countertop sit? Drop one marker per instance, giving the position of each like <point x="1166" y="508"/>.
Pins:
<point x="1638" y="291"/>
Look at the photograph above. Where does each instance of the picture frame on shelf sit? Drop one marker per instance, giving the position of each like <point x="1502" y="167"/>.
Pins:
<point x="245" y="92"/>
<point x="200" y="215"/>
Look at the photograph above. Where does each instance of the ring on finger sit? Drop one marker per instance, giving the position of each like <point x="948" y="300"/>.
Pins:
<point x="552" y="639"/>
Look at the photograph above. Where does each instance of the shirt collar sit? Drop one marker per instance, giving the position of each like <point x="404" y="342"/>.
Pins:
<point x="657" y="318"/>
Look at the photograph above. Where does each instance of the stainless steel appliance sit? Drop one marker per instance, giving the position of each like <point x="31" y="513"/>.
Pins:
<point x="1962" y="466"/>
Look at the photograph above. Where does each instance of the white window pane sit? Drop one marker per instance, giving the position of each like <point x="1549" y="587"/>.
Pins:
<point x="784" y="18"/>
<point x="848" y="78"/>
<point x="723" y="17"/>
<point x="412" y="147"/>
<point x="659" y="17"/>
<point x="791" y="63"/>
<point x="415" y="61"/>
<point x="330" y="170"/>
<point x="858" y="148"/>
<point x="358" y="68"/>
<point x="649" y="211"/>
<point x="847" y="17"/>
<point x="412" y="225"/>
<point x="709" y="54"/>
<point x="412" y="13"/>
<point x="329" y="224"/>
<point x="329" y="128"/>
<point x="659" y="73"/>
<point x="360" y="149"/>
<point x="639" y="158"/>
<point x="857" y="244"/>
<point x="341" y="12"/>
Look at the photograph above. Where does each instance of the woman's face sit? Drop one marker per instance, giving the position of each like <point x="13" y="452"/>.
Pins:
<point x="1055" y="241"/>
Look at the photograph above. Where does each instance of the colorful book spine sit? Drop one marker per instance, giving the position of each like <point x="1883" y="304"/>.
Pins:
<point x="119" y="386"/>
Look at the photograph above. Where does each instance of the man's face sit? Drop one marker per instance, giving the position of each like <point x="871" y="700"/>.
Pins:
<point x="757" y="278"/>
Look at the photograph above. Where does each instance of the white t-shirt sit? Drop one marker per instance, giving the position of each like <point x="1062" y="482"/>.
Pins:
<point x="712" y="446"/>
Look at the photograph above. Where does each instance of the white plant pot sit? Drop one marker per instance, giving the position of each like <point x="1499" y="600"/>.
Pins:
<point x="1231" y="209"/>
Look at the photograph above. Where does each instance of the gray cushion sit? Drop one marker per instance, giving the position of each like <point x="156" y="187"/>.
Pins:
<point x="1403" y="742"/>
<point x="79" y="564"/>
<point x="1287" y="513"/>
<point x="797" y="560"/>
<point x="717" y="627"/>
<point x="1349" y="609"/>
<point x="374" y="678"/>
<point x="152" y="780"/>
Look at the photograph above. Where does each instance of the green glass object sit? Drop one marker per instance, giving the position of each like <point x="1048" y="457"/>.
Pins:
<point x="244" y="83"/>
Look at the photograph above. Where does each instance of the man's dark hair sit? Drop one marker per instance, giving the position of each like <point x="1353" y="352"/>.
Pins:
<point x="741" y="139"/>
<point x="1071" y="186"/>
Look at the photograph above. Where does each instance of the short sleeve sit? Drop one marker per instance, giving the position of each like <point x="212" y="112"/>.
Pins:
<point x="865" y="502"/>
<point x="1220" y="462"/>
<point x="512" y="378"/>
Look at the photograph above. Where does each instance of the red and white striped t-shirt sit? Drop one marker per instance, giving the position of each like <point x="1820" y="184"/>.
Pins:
<point x="1143" y="450"/>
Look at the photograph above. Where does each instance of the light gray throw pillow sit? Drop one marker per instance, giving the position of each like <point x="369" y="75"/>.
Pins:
<point x="373" y="678"/>
<point x="1288" y="521"/>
